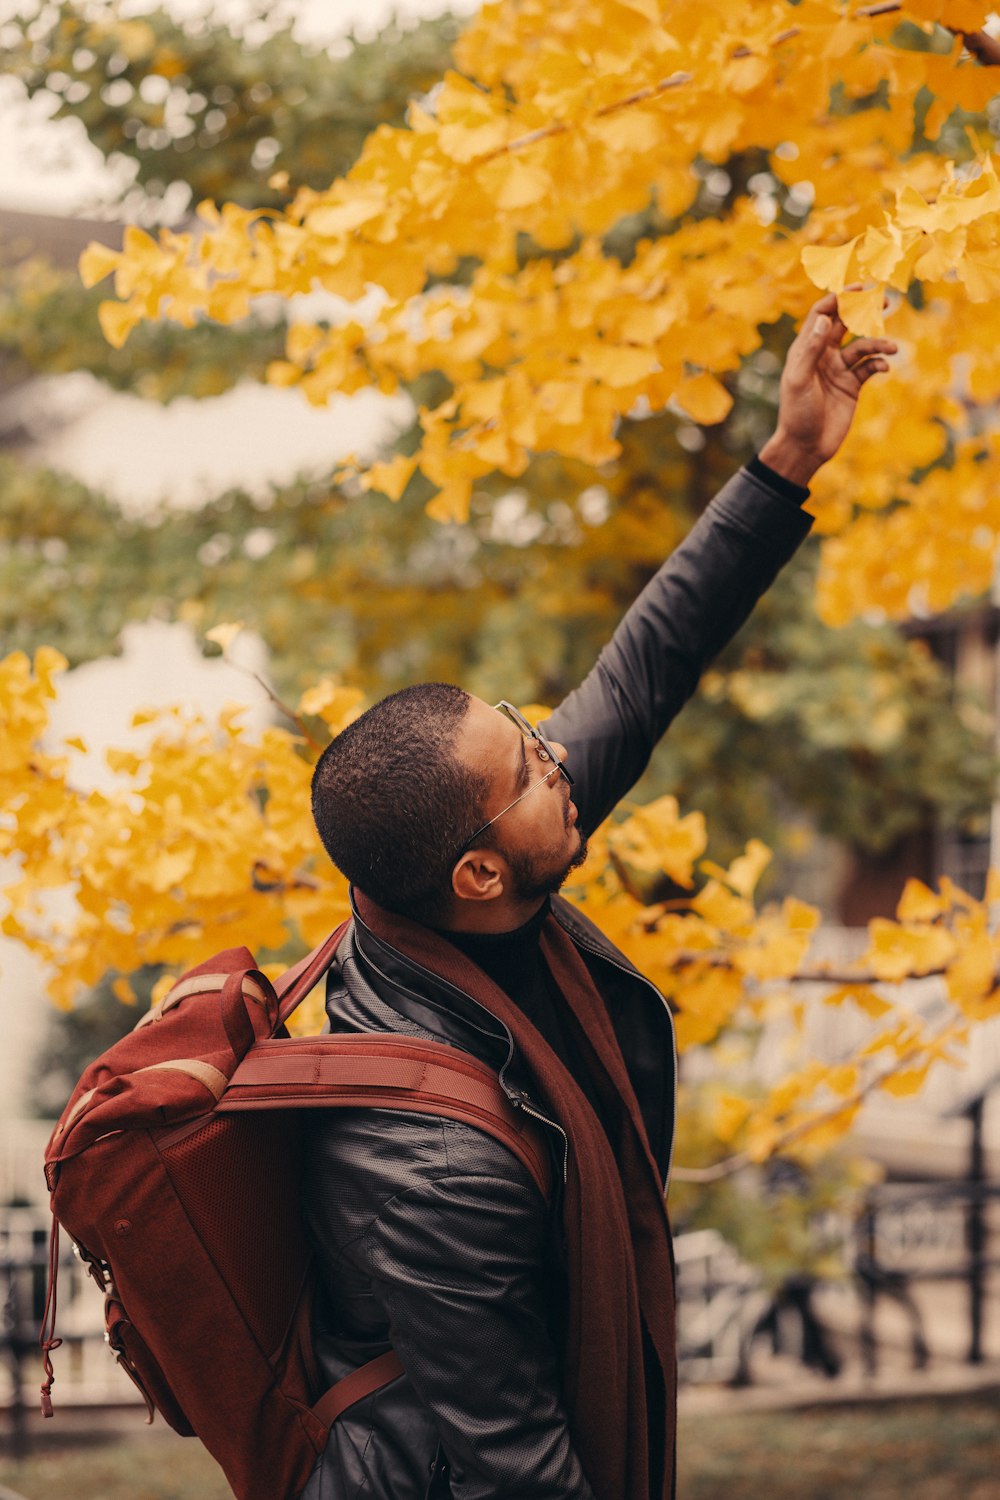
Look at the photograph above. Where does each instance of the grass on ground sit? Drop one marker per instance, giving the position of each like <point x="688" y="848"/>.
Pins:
<point x="919" y="1450"/>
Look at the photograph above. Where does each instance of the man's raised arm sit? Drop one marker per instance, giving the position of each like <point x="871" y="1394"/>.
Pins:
<point x="707" y="588"/>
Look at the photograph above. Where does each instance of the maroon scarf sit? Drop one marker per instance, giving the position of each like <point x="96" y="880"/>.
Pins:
<point x="617" y="1236"/>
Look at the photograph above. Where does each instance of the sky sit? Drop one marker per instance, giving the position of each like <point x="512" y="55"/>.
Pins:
<point x="52" y="168"/>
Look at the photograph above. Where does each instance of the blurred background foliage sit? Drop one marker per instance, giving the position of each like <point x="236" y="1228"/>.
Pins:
<point x="800" y="734"/>
<point x="853" y="734"/>
<point x="205" y="110"/>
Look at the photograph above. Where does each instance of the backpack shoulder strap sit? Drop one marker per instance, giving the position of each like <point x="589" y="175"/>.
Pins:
<point x="358" y="1384"/>
<point x="296" y="983"/>
<point x="386" y="1071"/>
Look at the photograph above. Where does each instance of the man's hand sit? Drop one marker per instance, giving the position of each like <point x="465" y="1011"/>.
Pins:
<point x="820" y="385"/>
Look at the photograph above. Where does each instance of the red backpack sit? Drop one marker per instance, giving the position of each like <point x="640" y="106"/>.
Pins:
<point x="175" y="1170"/>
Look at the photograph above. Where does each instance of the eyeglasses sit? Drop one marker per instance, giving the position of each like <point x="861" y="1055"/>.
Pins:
<point x="545" y="751"/>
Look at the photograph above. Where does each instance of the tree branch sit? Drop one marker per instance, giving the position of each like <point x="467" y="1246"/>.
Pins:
<point x="733" y="1164"/>
<point x="278" y="702"/>
<point x="686" y="958"/>
<point x="981" y="45"/>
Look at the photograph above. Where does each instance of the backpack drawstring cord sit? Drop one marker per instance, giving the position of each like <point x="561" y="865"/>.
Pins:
<point x="47" y="1339"/>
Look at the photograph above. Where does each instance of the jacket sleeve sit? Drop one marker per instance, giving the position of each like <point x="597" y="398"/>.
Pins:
<point x="694" y="605"/>
<point x="457" y="1262"/>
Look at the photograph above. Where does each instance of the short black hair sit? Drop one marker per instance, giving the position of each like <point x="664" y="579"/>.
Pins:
<point x="392" y="803"/>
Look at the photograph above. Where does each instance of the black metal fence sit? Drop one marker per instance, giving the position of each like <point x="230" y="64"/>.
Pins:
<point x="87" y="1375"/>
<point x="910" y="1242"/>
<point x="908" y="1239"/>
<point x="914" y="1235"/>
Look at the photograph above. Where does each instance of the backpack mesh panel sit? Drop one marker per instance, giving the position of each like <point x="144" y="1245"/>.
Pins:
<point x="238" y="1178"/>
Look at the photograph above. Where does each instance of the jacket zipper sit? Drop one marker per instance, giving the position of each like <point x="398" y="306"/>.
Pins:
<point x="520" y="1101"/>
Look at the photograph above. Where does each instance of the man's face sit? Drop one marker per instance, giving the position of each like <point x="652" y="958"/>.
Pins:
<point x="538" y="837"/>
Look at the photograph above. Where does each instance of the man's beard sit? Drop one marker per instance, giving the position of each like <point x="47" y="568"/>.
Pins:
<point x="532" y="882"/>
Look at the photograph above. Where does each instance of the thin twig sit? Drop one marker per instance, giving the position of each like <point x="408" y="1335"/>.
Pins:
<point x="973" y="39"/>
<point x="278" y="703"/>
<point x="686" y="958"/>
<point x="732" y="1164"/>
<point x="288" y="712"/>
<point x="560" y="127"/>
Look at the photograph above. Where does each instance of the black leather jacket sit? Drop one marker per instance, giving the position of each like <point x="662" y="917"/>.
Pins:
<point x="431" y="1235"/>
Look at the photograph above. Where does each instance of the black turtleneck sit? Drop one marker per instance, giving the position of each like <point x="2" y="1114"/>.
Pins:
<point x="513" y="960"/>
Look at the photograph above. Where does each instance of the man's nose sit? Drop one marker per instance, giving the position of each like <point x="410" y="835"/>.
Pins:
<point x="560" y="750"/>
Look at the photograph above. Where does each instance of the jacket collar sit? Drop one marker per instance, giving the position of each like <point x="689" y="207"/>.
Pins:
<point x="437" y="1005"/>
<point x="428" y="1000"/>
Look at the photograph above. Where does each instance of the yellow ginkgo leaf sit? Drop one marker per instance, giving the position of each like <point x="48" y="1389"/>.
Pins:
<point x="843" y="1079"/>
<point x="980" y="272"/>
<point x="829" y="266"/>
<point x="918" y="903"/>
<point x="745" y="870"/>
<point x="617" y="365"/>
<point x="728" y="912"/>
<point x="522" y="184"/>
<point x="123" y="991"/>
<point x="632" y="130"/>
<point x="973" y="973"/>
<point x="47" y="662"/>
<point x="228" y="302"/>
<point x="117" y="319"/>
<point x="452" y="501"/>
<point x="864" y="997"/>
<point x="704" y="398"/>
<point x="707" y="997"/>
<point x="729" y="1115"/>
<point x="648" y="8"/>
<point x="863" y="312"/>
<point x="392" y="477"/>
<point x="96" y="262"/>
<point x="223" y="635"/>
<point x="657" y="840"/>
<point x="822" y="1131"/>
<point x="900" y="949"/>
<point x="167" y="869"/>
<point x="905" y="1081"/>
<point x="335" y="704"/>
<point x="333" y="219"/>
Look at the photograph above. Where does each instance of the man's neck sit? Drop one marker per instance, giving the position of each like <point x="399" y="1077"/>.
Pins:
<point x="491" y="916"/>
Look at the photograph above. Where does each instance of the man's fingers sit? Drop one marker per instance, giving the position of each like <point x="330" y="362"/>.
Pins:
<point x="822" y="330"/>
<point x="860" y="351"/>
<point x="869" y="367"/>
<point x="869" y="364"/>
<point x="827" y="307"/>
<point x="825" y="314"/>
<point x="818" y="332"/>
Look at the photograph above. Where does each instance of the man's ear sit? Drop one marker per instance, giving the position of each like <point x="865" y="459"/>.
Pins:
<point x="479" y="875"/>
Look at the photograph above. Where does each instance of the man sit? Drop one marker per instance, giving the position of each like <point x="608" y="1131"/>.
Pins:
<point x="537" y="1340"/>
